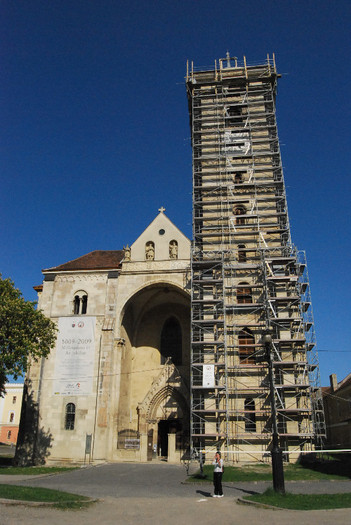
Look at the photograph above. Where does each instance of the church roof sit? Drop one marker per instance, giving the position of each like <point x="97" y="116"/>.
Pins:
<point x="96" y="260"/>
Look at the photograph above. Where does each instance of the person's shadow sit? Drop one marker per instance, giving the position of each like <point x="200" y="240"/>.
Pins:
<point x="204" y="493"/>
<point x="207" y="494"/>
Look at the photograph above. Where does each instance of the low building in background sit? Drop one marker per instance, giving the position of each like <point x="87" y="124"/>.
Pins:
<point x="10" y="413"/>
<point x="337" y="407"/>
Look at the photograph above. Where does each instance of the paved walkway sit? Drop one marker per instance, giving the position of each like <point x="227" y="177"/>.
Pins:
<point x="154" y="493"/>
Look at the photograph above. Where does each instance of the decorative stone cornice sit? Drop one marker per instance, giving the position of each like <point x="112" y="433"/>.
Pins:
<point x="81" y="278"/>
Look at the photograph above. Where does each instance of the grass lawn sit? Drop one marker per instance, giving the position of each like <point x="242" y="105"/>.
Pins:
<point x="320" y="470"/>
<point x="32" y="471"/>
<point x="62" y="500"/>
<point x="302" y="501"/>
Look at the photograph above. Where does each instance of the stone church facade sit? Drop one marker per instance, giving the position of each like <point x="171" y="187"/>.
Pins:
<point x="116" y="386"/>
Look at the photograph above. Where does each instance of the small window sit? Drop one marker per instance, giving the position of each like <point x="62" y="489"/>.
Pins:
<point x="234" y="115"/>
<point x="80" y="303"/>
<point x="14" y="399"/>
<point x="244" y="294"/>
<point x="238" y="178"/>
<point x="246" y="347"/>
<point x="9" y="434"/>
<point x="70" y="416"/>
<point x="84" y="304"/>
<point x="250" y="415"/>
<point x="12" y="417"/>
<point x="238" y="212"/>
<point x="242" y="253"/>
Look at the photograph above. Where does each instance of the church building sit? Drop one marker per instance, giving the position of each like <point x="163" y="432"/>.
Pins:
<point x="116" y="386"/>
<point x="162" y="352"/>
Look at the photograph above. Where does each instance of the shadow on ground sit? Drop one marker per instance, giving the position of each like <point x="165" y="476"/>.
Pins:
<point x="204" y="493"/>
<point x="338" y="465"/>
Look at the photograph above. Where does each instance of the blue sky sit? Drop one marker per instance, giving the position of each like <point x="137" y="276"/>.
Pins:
<point x="95" y="130"/>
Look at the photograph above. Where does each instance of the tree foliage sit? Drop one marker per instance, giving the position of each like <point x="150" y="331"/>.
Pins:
<point x="24" y="332"/>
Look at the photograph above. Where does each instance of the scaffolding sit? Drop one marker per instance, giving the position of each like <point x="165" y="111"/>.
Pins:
<point x="247" y="276"/>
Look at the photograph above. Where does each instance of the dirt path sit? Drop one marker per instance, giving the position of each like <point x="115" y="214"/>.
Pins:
<point x="172" y="511"/>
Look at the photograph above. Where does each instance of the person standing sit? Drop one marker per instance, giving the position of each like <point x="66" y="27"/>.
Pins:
<point x="217" y="475"/>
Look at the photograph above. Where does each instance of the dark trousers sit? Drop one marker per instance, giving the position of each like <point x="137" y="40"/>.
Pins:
<point x="217" y="481"/>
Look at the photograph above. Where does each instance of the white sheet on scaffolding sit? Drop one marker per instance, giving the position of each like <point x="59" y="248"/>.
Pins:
<point x="208" y="376"/>
<point x="237" y="142"/>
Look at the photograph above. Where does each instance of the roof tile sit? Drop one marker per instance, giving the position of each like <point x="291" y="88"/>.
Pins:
<point x="96" y="260"/>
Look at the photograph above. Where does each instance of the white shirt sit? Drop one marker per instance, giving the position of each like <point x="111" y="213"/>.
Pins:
<point x="218" y="467"/>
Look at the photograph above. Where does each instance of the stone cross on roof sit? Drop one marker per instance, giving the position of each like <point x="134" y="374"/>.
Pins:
<point x="162" y="209"/>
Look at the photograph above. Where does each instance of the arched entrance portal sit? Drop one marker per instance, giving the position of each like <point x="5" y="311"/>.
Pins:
<point x="167" y="414"/>
<point x="154" y="401"/>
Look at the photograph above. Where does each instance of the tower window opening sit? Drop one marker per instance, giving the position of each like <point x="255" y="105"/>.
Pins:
<point x="234" y="115"/>
<point x="238" y="212"/>
<point x="250" y="415"/>
<point x="244" y="294"/>
<point x="238" y="178"/>
<point x="246" y="347"/>
<point x="242" y="253"/>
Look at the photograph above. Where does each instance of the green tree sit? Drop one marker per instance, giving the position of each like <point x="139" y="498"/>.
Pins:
<point x="24" y="332"/>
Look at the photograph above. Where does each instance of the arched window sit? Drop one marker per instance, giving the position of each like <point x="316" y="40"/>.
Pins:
<point x="173" y="250"/>
<point x="242" y="253"/>
<point x="244" y="294"/>
<point x="12" y="417"/>
<point x="76" y="304"/>
<point x="150" y="251"/>
<point x="250" y="415"/>
<point x="238" y="211"/>
<point x="80" y="303"/>
<point x="84" y="304"/>
<point x="70" y="416"/>
<point x="171" y="341"/>
<point x="246" y="347"/>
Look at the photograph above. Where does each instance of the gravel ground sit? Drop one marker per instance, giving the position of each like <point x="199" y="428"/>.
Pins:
<point x="154" y="493"/>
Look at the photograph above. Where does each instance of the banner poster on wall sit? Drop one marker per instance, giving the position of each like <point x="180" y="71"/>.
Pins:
<point x="75" y="349"/>
<point x="208" y="377"/>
